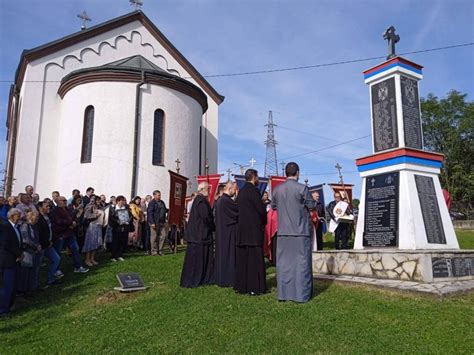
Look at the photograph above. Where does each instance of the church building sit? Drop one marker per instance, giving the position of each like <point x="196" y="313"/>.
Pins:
<point x="112" y="106"/>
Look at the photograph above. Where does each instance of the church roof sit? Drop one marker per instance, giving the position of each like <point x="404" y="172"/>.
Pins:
<point x="137" y="62"/>
<point x="54" y="46"/>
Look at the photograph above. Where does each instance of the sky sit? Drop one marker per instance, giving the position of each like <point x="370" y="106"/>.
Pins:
<point x="316" y="110"/>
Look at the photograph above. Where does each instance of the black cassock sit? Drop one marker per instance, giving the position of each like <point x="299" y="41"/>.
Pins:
<point x="250" y="265"/>
<point x="198" y="266"/>
<point x="226" y="229"/>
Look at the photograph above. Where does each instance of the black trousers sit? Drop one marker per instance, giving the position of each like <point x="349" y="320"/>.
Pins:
<point x="119" y="243"/>
<point x="250" y="276"/>
<point x="341" y="236"/>
<point x="319" y="236"/>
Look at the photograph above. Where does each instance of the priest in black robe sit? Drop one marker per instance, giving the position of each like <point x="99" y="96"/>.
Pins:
<point x="227" y="214"/>
<point x="198" y="266"/>
<point x="250" y="265"/>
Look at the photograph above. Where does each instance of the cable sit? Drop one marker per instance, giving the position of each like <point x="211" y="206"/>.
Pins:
<point x="278" y="70"/>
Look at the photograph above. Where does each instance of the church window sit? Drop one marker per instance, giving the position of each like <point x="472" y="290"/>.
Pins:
<point x="158" y="137"/>
<point x="87" y="134"/>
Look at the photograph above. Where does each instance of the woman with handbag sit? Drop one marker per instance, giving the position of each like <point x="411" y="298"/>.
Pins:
<point x="28" y="279"/>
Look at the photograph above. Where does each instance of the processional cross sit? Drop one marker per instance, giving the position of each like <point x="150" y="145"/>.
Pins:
<point x="206" y="167"/>
<point x="282" y="168"/>
<point x="392" y="38"/>
<point x="252" y="162"/>
<point x="177" y="161"/>
<point x="84" y="17"/>
<point x="228" y="171"/>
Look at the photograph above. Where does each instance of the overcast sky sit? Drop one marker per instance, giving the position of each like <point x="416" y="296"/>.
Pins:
<point x="314" y="108"/>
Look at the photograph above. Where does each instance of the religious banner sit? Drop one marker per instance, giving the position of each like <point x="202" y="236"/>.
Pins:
<point x="344" y="189"/>
<point x="262" y="184"/>
<point x="240" y="181"/>
<point x="319" y="189"/>
<point x="213" y="181"/>
<point x="178" y="184"/>
<point x="275" y="181"/>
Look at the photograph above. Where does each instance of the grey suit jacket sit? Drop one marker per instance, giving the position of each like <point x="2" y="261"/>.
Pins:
<point x="292" y="200"/>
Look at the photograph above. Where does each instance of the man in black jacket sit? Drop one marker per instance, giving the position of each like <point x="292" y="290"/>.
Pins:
<point x="10" y="258"/>
<point x="45" y="232"/>
<point x="121" y="222"/>
<point x="156" y="218"/>
<point x="249" y="262"/>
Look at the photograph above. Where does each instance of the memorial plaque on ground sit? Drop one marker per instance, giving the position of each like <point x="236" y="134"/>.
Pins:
<point x="452" y="267"/>
<point x="381" y="210"/>
<point x="384" y="115"/>
<point x="130" y="280"/>
<point x="430" y="210"/>
<point x="411" y="113"/>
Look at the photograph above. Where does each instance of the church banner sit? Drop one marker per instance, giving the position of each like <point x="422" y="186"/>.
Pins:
<point x="341" y="188"/>
<point x="320" y="190"/>
<point x="178" y="184"/>
<point x="262" y="183"/>
<point x="276" y="180"/>
<point x="240" y="181"/>
<point x="213" y="181"/>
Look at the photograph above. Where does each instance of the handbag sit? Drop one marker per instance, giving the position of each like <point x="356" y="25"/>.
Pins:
<point x="27" y="260"/>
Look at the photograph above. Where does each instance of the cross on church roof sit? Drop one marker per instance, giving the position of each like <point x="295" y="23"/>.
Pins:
<point x="392" y="38"/>
<point x="84" y="17"/>
<point x="136" y="3"/>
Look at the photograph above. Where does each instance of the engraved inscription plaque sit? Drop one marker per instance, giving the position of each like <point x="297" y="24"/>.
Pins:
<point x="381" y="211"/>
<point x="430" y="210"/>
<point x="411" y="113"/>
<point x="384" y="115"/>
<point x="452" y="267"/>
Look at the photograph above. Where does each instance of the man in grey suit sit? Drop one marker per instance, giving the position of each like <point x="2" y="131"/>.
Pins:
<point x="293" y="201"/>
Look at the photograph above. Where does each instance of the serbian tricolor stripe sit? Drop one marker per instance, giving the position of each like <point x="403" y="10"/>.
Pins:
<point x="400" y="156"/>
<point x="392" y="63"/>
<point x="213" y="181"/>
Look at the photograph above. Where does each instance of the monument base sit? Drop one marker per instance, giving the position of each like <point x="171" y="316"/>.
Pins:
<point x="409" y="265"/>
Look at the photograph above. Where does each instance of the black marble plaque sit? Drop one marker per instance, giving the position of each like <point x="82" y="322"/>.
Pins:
<point x="381" y="211"/>
<point x="130" y="280"/>
<point x="430" y="210"/>
<point x="411" y="113"/>
<point x="452" y="267"/>
<point x="384" y="115"/>
<point x="440" y="267"/>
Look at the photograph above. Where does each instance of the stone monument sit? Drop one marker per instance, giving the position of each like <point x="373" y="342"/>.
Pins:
<point x="404" y="230"/>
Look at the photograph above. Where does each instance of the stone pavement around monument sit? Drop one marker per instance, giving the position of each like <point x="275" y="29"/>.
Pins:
<point x="439" y="289"/>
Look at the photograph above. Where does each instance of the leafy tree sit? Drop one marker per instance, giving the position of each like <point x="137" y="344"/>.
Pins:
<point x="448" y="128"/>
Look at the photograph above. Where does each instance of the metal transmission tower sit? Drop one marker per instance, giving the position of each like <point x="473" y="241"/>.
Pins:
<point x="271" y="163"/>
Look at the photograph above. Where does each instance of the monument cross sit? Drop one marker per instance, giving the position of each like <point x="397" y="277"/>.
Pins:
<point x="392" y="38"/>
<point x="252" y="162"/>
<point x="177" y="161"/>
<point x="84" y="17"/>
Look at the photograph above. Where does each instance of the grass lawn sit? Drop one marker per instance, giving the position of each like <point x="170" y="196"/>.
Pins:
<point x="82" y="315"/>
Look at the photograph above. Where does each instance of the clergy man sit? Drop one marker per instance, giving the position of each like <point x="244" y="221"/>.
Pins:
<point x="293" y="202"/>
<point x="227" y="215"/>
<point x="198" y="266"/>
<point x="250" y="266"/>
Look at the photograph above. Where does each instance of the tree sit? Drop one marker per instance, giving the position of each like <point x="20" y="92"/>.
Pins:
<point x="448" y="128"/>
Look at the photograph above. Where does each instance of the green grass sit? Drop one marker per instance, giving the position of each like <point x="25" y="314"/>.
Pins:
<point x="83" y="315"/>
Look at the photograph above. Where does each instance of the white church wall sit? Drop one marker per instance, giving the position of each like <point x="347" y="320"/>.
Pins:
<point x="112" y="149"/>
<point x="40" y="111"/>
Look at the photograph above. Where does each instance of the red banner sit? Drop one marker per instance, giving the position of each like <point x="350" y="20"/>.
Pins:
<point x="212" y="180"/>
<point x="276" y="180"/>
<point x="341" y="188"/>
<point x="178" y="184"/>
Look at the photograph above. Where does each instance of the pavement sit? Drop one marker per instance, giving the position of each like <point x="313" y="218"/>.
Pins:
<point x="438" y="289"/>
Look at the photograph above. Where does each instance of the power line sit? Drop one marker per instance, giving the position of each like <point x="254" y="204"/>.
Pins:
<point x="303" y="67"/>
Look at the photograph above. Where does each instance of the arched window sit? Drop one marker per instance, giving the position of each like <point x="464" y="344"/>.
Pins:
<point x="158" y="137"/>
<point x="87" y="135"/>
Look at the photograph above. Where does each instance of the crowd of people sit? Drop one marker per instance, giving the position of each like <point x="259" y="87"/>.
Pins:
<point x="228" y="242"/>
<point x="32" y="229"/>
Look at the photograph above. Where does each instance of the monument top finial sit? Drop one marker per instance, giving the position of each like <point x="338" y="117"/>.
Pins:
<point x="392" y="38"/>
